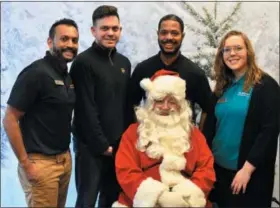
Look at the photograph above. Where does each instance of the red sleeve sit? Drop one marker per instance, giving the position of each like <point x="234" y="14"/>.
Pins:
<point x="142" y="190"/>
<point x="128" y="169"/>
<point x="204" y="174"/>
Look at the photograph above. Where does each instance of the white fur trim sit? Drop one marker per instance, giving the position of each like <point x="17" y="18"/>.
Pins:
<point x="148" y="192"/>
<point x="146" y="84"/>
<point x="168" y="84"/>
<point x="196" y="197"/>
<point x="117" y="204"/>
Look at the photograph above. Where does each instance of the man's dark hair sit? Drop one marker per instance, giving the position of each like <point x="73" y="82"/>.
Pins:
<point x="64" y="21"/>
<point x="174" y="18"/>
<point x="104" y="11"/>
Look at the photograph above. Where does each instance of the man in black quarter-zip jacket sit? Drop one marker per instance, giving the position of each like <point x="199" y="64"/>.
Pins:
<point x="100" y="75"/>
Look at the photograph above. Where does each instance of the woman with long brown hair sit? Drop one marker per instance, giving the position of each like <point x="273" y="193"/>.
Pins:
<point x="243" y="128"/>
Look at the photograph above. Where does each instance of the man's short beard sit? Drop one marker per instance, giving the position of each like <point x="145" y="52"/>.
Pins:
<point x="169" y="54"/>
<point x="58" y="52"/>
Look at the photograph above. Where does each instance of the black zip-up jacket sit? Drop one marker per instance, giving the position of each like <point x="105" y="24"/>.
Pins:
<point x="100" y="77"/>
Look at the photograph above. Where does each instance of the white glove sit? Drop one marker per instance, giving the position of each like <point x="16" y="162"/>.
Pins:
<point x="172" y="199"/>
<point x="192" y="194"/>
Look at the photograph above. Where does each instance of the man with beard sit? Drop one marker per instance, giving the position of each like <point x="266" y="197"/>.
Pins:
<point x="38" y="119"/>
<point x="100" y="75"/>
<point x="163" y="160"/>
<point x="170" y="36"/>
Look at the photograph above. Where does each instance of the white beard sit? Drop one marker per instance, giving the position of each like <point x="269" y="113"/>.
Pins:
<point x="159" y="135"/>
<point x="166" y="137"/>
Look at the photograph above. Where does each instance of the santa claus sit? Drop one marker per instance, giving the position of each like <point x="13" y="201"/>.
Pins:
<point x="163" y="160"/>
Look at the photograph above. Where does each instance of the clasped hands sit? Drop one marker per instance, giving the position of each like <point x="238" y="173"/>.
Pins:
<point x="173" y="199"/>
<point x="182" y="195"/>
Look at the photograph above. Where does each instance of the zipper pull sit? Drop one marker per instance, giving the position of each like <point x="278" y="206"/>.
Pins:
<point x="110" y="59"/>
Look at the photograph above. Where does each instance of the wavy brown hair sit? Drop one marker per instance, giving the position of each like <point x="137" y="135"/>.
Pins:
<point x="224" y="76"/>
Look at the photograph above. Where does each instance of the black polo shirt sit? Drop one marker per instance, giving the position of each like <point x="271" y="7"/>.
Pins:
<point x="44" y="91"/>
<point x="198" y="89"/>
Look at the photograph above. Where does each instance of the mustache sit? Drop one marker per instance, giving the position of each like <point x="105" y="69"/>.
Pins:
<point x="111" y="39"/>
<point x="168" y="41"/>
<point x="171" y="111"/>
<point x="73" y="50"/>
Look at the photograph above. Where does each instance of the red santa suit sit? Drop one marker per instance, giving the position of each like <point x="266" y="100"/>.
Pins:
<point x="173" y="160"/>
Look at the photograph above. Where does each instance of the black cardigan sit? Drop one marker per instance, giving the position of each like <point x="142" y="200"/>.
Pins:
<point x="261" y="130"/>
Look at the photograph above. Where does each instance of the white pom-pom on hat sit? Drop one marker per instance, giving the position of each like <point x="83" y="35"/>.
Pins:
<point x="146" y="84"/>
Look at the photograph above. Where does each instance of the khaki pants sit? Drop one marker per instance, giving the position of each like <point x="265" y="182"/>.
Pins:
<point x="53" y="179"/>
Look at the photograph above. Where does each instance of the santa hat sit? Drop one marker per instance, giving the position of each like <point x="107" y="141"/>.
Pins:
<point x="163" y="83"/>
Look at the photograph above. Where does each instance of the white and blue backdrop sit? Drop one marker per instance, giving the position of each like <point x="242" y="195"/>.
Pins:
<point x="24" y="32"/>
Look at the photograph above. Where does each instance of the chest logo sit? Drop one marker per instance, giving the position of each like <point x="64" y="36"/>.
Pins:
<point x="58" y="82"/>
<point x="123" y="70"/>
<point x="221" y="100"/>
<point x="243" y="94"/>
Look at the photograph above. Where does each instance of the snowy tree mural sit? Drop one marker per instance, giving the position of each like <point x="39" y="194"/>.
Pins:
<point x="3" y="91"/>
<point x="25" y="25"/>
<point x="210" y="32"/>
<point x="3" y="137"/>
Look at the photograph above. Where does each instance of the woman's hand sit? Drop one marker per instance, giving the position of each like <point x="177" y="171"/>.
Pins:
<point x="242" y="178"/>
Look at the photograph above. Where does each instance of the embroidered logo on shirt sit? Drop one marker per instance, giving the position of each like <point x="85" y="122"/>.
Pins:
<point x="58" y="82"/>
<point x="244" y="94"/>
<point x="221" y="100"/>
<point x="123" y="70"/>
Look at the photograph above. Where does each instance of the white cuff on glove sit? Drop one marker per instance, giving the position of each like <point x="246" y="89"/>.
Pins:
<point x="172" y="199"/>
<point x="191" y="192"/>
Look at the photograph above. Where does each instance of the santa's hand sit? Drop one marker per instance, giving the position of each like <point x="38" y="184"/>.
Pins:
<point x="172" y="199"/>
<point x="192" y="194"/>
